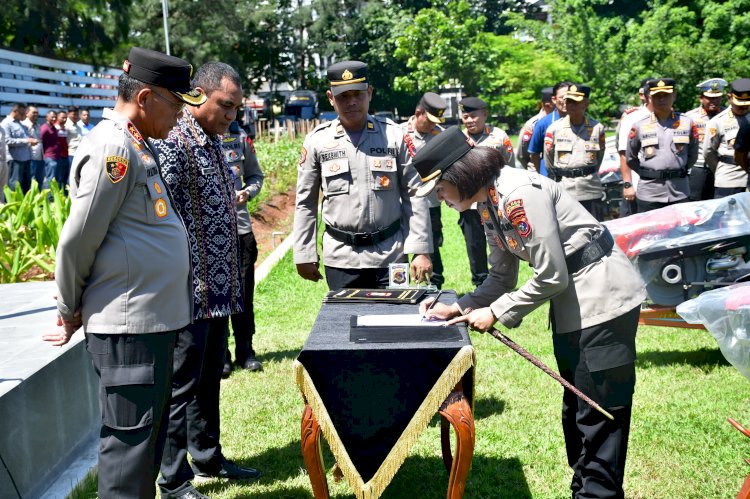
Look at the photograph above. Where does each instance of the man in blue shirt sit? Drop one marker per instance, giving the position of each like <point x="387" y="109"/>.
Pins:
<point x="536" y="144"/>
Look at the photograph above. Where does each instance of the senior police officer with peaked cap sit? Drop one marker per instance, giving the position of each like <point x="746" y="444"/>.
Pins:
<point x="701" y="177"/>
<point x="594" y="292"/>
<point x="123" y="269"/>
<point x="721" y="135"/>
<point x="573" y="152"/>
<point x="474" y="114"/>
<point x="419" y="129"/>
<point x="371" y="219"/>
<point x="661" y="147"/>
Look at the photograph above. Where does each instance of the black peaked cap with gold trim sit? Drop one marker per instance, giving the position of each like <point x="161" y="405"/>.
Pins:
<point x="162" y="70"/>
<point x="741" y="92"/>
<point x="438" y="155"/>
<point x="434" y="106"/>
<point x="660" y="85"/>
<point x="347" y="75"/>
<point x="578" y="92"/>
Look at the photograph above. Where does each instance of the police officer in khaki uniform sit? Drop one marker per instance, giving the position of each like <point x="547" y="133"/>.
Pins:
<point x="721" y="134"/>
<point x="418" y="130"/>
<point x="661" y="148"/>
<point x="573" y="152"/>
<point x="370" y="217"/>
<point x="474" y="116"/>
<point x="594" y="292"/>
<point x="524" y="137"/>
<point x="701" y="177"/>
<point x="123" y="269"/>
<point x="239" y="152"/>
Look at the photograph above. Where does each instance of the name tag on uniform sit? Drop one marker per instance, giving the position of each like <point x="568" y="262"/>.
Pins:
<point x="209" y="170"/>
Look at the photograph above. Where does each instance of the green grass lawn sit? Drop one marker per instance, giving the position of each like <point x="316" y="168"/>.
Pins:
<point x="680" y="445"/>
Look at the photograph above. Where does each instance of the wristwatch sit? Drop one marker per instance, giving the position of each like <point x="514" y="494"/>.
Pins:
<point x="627" y="185"/>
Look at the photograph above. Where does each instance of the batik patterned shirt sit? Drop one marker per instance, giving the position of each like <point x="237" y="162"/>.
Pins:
<point x="193" y="167"/>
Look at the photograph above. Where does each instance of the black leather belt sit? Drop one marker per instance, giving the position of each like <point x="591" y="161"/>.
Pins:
<point x="583" y="171"/>
<point x="651" y="174"/>
<point x="364" y="238"/>
<point x="590" y="253"/>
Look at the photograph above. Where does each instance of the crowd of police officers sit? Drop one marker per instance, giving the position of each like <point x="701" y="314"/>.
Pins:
<point x="128" y="275"/>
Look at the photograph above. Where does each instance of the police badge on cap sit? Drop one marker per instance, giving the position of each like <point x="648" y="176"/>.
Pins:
<point x="162" y="70"/>
<point x="347" y="75"/>
<point x="713" y="87"/>
<point x="660" y="85"/>
<point x="578" y="92"/>
<point x="434" y="106"/>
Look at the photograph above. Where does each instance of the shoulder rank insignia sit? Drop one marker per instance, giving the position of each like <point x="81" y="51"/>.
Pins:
<point x="116" y="167"/>
<point x="134" y="132"/>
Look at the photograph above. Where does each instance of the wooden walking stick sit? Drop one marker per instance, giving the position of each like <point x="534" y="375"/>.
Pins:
<point x="541" y="365"/>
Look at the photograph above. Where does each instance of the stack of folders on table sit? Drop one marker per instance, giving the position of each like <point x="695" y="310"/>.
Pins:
<point x="406" y="295"/>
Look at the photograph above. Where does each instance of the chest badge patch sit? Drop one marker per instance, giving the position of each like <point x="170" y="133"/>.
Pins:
<point x="160" y="206"/>
<point x="512" y="243"/>
<point x="486" y="214"/>
<point x="157" y="187"/>
<point x="116" y="167"/>
<point x="493" y="195"/>
<point x="384" y="181"/>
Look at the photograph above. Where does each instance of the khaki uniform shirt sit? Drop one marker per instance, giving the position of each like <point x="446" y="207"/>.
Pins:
<point x="669" y="145"/>
<point x="492" y="136"/>
<point x="581" y="146"/>
<point x="413" y="142"/>
<point x="535" y="220"/>
<point x="239" y="152"/>
<point x="524" y="137"/>
<point x="366" y="187"/>
<point x="123" y="252"/>
<point x="700" y="118"/>
<point x="718" y="149"/>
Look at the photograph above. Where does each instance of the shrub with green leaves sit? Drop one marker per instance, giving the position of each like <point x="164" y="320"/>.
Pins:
<point x="30" y="226"/>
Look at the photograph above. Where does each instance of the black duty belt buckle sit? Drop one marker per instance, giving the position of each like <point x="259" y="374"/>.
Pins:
<point x="362" y="239"/>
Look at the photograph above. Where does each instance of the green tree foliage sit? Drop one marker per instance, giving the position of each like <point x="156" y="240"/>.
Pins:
<point x="72" y="29"/>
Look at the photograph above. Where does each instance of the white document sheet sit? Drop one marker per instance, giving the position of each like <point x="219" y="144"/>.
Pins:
<point x="397" y="320"/>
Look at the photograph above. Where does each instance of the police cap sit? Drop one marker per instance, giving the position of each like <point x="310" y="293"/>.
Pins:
<point x="741" y="92"/>
<point x="438" y="155"/>
<point x="347" y="75"/>
<point x="578" y="92"/>
<point x="162" y="70"/>
<point x="547" y="94"/>
<point x="660" y="85"/>
<point x="470" y="104"/>
<point x="434" y="106"/>
<point x="713" y="87"/>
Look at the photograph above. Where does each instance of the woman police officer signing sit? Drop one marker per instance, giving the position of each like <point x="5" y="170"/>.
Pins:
<point x="595" y="293"/>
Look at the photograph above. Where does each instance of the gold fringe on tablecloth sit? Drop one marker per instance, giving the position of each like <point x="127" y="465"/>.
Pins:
<point x="459" y="365"/>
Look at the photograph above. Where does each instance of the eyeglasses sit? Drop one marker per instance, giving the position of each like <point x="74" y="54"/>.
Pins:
<point x="177" y="106"/>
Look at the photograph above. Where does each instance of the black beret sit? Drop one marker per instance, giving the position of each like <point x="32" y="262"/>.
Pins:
<point x="347" y="75"/>
<point x="438" y="155"/>
<point x="660" y="85"/>
<point x="470" y="104"/>
<point x="434" y="106"/>
<point x="578" y="92"/>
<point x="547" y="94"/>
<point x="741" y="92"/>
<point x="162" y="70"/>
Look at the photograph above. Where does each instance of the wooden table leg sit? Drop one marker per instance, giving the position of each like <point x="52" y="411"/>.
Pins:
<point x="312" y="454"/>
<point x="457" y="412"/>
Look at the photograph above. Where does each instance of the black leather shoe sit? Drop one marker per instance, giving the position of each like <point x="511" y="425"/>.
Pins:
<point x="227" y="370"/>
<point x="191" y="493"/>
<point x="252" y="364"/>
<point x="228" y="470"/>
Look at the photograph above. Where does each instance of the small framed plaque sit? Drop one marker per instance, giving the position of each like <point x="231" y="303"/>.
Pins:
<point x="398" y="275"/>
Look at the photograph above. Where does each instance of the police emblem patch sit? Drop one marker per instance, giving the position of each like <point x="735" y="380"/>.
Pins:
<point x="508" y="145"/>
<point x="632" y="133"/>
<point x="146" y="158"/>
<point x="486" y="214"/>
<point x="302" y="155"/>
<point x="134" y="132"/>
<point x="116" y="167"/>
<point x="712" y="131"/>
<point x="384" y="181"/>
<point x="137" y="145"/>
